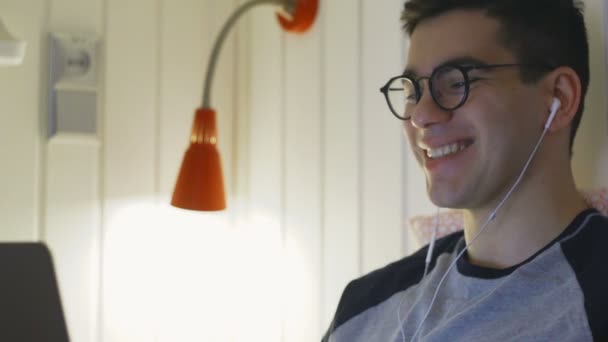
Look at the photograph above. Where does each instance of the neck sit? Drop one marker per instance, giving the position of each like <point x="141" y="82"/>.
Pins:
<point x="542" y="206"/>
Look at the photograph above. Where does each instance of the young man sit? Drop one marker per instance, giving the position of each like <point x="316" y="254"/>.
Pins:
<point x="483" y="78"/>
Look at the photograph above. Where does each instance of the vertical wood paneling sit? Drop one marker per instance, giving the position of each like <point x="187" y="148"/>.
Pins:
<point x="603" y="159"/>
<point x="21" y="130"/>
<point x="241" y="134"/>
<point x="130" y="169"/>
<point x="266" y="116"/>
<point x="131" y="93"/>
<point x="303" y="193"/>
<point x="72" y="228"/>
<point x="72" y="214"/>
<point x="265" y="165"/>
<point x="382" y="145"/>
<point x="76" y="15"/>
<point x="341" y="75"/>
<point x="591" y="144"/>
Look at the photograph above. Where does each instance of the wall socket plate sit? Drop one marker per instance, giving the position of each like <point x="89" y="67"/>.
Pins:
<point x="73" y="83"/>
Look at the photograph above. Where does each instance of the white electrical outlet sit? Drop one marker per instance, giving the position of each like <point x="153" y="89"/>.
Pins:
<point x="73" y="83"/>
<point x="12" y="51"/>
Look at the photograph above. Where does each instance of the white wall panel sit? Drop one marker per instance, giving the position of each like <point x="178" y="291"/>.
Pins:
<point x="131" y="99"/>
<point x="76" y="15"/>
<point x="602" y="174"/>
<point x="242" y="122"/>
<point x="382" y="143"/>
<point x="266" y="138"/>
<point x="72" y="189"/>
<point x="72" y="228"/>
<point x="591" y="145"/>
<point x="266" y="180"/>
<point x="21" y="129"/>
<point x="341" y="76"/>
<point x="130" y="169"/>
<point x="303" y="193"/>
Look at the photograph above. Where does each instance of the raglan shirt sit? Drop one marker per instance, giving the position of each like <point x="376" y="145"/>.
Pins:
<point x="558" y="294"/>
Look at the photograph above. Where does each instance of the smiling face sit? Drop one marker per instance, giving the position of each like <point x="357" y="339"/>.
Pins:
<point x="471" y="155"/>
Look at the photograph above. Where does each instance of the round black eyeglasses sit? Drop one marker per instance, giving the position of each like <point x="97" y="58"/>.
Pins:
<point x="449" y="87"/>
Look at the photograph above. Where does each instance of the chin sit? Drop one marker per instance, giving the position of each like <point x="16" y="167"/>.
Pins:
<point x="445" y="204"/>
<point x="448" y="197"/>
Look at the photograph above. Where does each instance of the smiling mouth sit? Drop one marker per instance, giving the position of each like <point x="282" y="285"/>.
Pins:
<point x="447" y="150"/>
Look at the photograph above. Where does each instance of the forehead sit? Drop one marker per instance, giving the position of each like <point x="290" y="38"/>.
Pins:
<point x="456" y="35"/>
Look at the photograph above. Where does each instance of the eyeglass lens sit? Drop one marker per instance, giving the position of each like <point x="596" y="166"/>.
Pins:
<point x="448" y="91"/>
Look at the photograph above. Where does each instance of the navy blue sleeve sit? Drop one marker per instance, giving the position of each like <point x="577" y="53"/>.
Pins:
<point x="587" y="254"/>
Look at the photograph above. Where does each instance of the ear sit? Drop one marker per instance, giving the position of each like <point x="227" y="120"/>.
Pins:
<point x="564" y="84"/>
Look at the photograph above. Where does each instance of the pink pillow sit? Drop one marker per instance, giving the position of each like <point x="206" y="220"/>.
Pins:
<point x="451" y="221"/>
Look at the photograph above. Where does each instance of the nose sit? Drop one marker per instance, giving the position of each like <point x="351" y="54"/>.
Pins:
<point x="426" y="112"/>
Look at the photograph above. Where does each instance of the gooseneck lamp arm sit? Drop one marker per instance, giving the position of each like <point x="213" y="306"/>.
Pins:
<point x="221" y="38"/>
<point x="200" y="184"/>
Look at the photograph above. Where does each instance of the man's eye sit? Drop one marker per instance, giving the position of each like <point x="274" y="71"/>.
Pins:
<point x="457" y="85"/>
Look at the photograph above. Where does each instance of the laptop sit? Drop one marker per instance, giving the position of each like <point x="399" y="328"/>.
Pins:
<point x="30" y="306"/>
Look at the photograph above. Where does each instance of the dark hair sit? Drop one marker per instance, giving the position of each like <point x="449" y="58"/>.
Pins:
<point x="539" y="32"/>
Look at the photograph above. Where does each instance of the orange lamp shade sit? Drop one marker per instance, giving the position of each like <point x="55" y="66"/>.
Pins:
<point x="304" y="16"/>
<point x="200" y="185"/>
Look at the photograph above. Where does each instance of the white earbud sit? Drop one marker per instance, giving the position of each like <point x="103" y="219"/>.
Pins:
<point x="554" y="108"/>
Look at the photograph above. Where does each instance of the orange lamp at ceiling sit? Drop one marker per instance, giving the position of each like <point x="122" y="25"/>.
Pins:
<point x="200" y="185"/>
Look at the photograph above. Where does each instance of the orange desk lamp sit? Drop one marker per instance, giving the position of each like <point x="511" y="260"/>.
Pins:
<point x="200" y="185"/>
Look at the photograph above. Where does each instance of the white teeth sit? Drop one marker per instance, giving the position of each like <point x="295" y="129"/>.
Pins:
<point x="446" y="150"/>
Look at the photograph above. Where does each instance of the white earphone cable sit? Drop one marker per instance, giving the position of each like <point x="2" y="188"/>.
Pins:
<point x="483" y="227"/>
<point x="427" y="262"/>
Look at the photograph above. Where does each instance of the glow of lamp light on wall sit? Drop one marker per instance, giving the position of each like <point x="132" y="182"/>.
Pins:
<point x="194" y="281"/>
<point x="161" y="271"/>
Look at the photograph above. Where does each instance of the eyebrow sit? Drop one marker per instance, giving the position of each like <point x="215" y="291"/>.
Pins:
<point x="461" y="61"/>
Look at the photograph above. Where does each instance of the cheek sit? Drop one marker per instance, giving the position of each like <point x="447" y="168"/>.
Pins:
<point x="508" y="134"/>
<point x="496" y="136"/>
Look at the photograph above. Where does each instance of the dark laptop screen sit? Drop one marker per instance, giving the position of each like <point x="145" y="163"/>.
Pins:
<point x="30" y="306"/>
